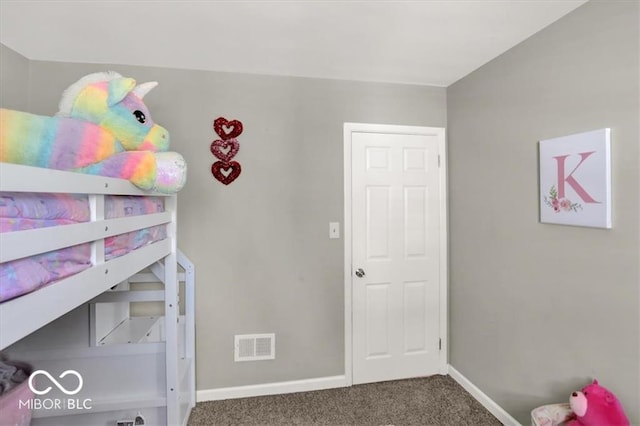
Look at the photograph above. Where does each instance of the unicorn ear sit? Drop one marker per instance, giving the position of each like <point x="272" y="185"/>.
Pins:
<point x="119" y="88"/>
<point x="142" y="89"/>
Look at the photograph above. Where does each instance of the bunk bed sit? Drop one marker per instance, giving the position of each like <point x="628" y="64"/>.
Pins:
<point x="131" y="366"/>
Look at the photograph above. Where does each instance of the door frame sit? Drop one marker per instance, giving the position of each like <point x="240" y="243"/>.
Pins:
<point x="439" y="132"/>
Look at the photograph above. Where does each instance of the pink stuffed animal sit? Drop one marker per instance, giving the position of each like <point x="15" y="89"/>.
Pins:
<point x="596" y="406"/>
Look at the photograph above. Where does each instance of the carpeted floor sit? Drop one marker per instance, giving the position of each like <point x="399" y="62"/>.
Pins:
<point x="436" y="400"/>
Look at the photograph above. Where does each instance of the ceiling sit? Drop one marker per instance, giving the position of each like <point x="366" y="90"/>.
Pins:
<point x="418" y="42"/>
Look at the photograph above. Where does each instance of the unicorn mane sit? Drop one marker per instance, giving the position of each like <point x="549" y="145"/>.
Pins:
<point x="72" y="92"/>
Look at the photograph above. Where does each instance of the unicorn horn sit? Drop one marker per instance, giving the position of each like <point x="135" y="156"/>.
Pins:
<point x="142" y="89"/>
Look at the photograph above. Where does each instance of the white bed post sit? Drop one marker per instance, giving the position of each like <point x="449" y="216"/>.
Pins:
<point x="190" y="329"/>
<point x="172" y="311"/>
<point x="96" y="206"/>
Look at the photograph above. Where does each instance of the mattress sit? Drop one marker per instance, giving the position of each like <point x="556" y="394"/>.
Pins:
<point x="22" y="211"/>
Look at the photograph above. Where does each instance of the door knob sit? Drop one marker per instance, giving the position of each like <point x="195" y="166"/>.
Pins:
<point x="360" y="273"/>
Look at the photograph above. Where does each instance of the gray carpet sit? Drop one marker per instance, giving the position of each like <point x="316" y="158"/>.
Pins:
<point x="436" y="400"/>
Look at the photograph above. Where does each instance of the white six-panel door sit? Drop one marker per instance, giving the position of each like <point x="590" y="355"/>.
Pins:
<point x="395" y="255"/>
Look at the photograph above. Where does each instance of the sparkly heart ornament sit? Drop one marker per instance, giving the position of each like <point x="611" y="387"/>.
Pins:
<point x="227" y="129"/>
<point x="225" y="150"/>
<point x="232" y="170"/>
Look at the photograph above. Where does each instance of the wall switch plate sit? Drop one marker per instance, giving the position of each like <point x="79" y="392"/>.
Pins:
<point x="334" y="230"/>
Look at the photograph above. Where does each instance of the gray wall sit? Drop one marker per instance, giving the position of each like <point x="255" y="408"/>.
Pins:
<point x="538" y="310"/>
<point x="14" y="80"/>
<point x="261" y="245"/>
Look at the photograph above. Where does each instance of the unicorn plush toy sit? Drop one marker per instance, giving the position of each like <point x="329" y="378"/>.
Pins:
<point x="102" y="128"/>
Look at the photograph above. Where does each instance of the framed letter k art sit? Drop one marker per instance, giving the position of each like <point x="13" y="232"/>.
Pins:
<point x="575" y="179"/>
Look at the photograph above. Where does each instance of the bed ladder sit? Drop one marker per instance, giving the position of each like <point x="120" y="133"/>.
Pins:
<point x="111" y="324"/>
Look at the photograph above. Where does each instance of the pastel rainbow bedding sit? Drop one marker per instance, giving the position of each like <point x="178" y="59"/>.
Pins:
<point x="21" y="211"/>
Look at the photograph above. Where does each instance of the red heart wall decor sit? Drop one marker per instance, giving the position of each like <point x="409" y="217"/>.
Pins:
<point x="225" y="150"/>
<point x="232" y="169"/>
<point x="227" y="129"/>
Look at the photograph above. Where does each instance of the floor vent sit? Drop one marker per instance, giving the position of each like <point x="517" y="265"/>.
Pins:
<point x="255" y="347"/>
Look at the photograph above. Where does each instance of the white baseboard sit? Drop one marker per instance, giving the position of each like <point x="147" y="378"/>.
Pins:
<point x="483" y="399"/>
<point x="271" y="388"/>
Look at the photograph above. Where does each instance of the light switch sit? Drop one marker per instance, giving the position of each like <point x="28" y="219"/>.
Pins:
<point x="334" y="230"/>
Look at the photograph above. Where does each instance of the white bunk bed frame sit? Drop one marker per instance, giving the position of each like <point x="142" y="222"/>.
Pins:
<point x="160" y="366"/>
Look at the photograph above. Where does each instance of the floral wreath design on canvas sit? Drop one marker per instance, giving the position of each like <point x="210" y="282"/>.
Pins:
<point x="558" y="205"/>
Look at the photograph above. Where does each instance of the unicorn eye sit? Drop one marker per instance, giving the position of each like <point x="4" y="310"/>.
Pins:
<point x="140" y="116"/>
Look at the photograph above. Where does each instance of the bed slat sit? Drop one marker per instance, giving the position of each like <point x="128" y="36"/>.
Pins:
<point x="42" y="240"/>
<point x="21" y="316"/>
<point x="19" y="178"/>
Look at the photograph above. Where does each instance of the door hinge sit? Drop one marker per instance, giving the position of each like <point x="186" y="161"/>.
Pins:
<point x="440" y="344"/>
<point x="438" y="160"/>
